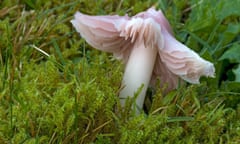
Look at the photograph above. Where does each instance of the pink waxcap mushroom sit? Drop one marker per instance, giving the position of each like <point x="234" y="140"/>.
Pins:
<point x="146" y="44"/>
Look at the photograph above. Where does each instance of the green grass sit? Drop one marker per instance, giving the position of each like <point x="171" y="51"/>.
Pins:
<point x="70" y="93"/>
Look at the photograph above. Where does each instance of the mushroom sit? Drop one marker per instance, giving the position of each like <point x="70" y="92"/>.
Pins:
<point x="146" y="45"/>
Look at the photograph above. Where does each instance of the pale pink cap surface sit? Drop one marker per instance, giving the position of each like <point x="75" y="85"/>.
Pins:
<point x="118" y="35"/>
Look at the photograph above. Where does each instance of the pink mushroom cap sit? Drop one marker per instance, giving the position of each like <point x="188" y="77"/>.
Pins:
<point x="118" y="35"/>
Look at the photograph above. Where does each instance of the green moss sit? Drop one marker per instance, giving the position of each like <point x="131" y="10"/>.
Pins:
<point x="72" y="95"/>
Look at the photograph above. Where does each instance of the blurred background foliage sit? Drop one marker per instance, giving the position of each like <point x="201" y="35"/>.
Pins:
<point x="69" y="93"/>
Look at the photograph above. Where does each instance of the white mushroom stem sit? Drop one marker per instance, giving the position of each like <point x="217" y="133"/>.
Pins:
<point x="138" y="72"/>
